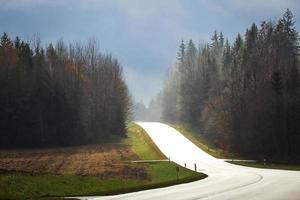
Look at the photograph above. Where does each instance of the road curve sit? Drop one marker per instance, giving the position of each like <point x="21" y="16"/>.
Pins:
<point x="224" y="181"/>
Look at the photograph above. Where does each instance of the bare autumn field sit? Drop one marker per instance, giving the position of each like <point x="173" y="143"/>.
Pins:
<point x="105" y="161"/>
<point x="88" y="170"/>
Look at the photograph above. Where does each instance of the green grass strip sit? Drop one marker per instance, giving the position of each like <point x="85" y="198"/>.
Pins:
<point x="162" y="174"/>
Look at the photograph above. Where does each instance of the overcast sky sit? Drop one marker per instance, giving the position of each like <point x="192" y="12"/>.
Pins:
<point x="143" y="35"/>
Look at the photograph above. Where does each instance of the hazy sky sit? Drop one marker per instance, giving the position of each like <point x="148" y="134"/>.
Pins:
<point x="143" y="35"/>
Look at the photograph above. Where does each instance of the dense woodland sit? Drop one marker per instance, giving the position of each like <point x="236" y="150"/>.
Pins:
<point x="59" y="95"/>
<point x="244" y="96"/>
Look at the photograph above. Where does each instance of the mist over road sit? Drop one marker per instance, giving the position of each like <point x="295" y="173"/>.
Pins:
<point x="224" y="181"/>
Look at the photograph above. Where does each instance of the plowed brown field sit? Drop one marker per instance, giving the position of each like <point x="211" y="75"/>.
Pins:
<point x="107" y="161"/>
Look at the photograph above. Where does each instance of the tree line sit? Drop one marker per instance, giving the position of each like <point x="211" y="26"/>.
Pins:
<point x="59" y="95"/>
<point x="244" y="96"/>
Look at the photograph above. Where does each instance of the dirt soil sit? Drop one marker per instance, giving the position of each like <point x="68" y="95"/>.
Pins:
<point x="106" y="161"/>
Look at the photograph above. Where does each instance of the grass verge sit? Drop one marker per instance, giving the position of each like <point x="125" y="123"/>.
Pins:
<point x="267" y="165"/>
<point x="200" y="141"/>
<point x="205" y="145"/>
<point x="160" y="174"/>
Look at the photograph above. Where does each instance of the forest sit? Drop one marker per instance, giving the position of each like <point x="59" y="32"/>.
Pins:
<point x="245" y="96"/>
<point x="59" y="95"/>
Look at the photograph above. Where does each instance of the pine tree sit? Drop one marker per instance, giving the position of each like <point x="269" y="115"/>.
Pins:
<point x="181" y="53"/>
<point x="5" y="40"/>
<point x="215" y="40"/>
<point x="238" y="44"/>
<point x="226" y="58"/>
<point x="221" y="39"/>
<point x="191" y="51"/>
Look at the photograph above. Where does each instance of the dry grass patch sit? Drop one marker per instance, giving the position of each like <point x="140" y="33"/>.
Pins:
<point x="88" y="170"/>
<point x="106" y="161"/>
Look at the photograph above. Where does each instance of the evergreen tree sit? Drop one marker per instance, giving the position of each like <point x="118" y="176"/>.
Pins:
<point x="244" y="97"/>
<point x="181" y="53"/>
<point x="221" y="39"/>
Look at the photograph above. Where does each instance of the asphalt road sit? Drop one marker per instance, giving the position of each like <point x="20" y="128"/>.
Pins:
<point x="224" y="181"/>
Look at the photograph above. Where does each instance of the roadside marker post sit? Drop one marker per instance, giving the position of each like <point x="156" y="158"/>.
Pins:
<point x="195" y="167"/>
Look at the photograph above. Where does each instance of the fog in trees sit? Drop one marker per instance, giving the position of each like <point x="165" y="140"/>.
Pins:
<point x="244" y="96"/>
<point x="152" y="112"/>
